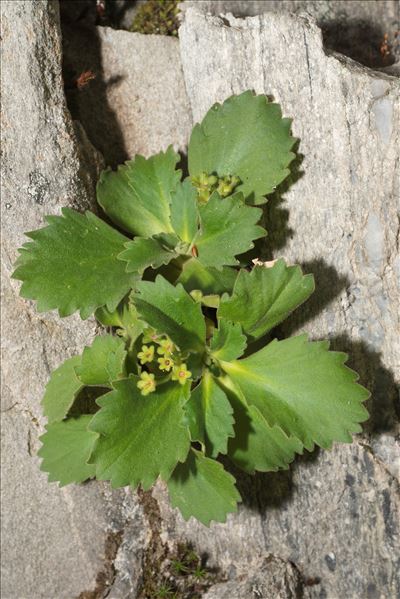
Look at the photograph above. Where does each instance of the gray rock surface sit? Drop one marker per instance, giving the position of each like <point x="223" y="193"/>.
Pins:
<point x="137" y="104"/>
<point x="346" y="176"/>
<point x="272" y="577"/>
<point x="54" y="541"/>
<point x="334" y="515"/>
<point x="355" y="28"/>
<point x="380" y="12"/>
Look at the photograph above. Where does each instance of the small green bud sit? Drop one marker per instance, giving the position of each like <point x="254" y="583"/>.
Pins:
<point x="197" y="295"/>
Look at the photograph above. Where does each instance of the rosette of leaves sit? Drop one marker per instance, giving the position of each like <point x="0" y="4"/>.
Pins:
<point x="189" y="370"/>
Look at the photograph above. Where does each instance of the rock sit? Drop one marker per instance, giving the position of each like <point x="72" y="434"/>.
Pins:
<point x="346" y="118"/>
<point x="272" y="577"/>
<point x="123" y="13"/>
<point x="329" y="526"/>
<point x="333" y="514"/>
<point x="355" y="28"/>
<point x="137" y="103"/>
<point x="55" y="539"/>
<point x="383" y="12"/>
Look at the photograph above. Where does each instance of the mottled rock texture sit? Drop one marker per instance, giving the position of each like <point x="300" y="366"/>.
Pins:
<point x="53" y="540"/>
<point x="271" y="577"/>
<point x="355" y="28"/>
<point x="327" y="528"/>
<point x="336" y="514"/>
<point x="137" y="103"/>
<point x="379" y="11"/>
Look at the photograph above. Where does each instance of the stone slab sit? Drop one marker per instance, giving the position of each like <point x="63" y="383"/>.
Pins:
<point x="54" y="541"/>
<point x="334" y="513"/>
<point x="137" y="104"/>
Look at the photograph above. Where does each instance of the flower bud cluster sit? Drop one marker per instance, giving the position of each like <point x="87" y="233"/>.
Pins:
<point x="207" y="184"/>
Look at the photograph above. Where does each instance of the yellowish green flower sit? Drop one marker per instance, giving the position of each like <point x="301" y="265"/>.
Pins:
<point x="147" y="354"/>
<point x="180" y="373"/>
<point x="165" y="363"/>
<point x="166" y="347"/>
<point x="147" y="383"/>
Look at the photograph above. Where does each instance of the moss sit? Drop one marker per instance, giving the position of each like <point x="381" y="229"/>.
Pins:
<point x="157" y="16"/>
<point x="176" y="572"/>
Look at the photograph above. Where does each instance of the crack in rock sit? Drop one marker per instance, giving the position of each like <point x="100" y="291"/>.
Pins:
<point x="106" y="575"/>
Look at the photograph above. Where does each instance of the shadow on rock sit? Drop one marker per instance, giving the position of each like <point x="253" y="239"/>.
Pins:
<point x="117" y="13"/>
<point x="275" y="216"/>
<point x="85" y="84"/>
<point x="268" y="490"/>
<point x="383" y="405"/>
<point x="360" y="40"/>
<point x="328" y="284"/>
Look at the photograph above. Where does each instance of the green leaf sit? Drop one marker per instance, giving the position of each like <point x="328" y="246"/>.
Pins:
<point x="72" y="265"/>
<point x="211" y="301"/>
<point x="66" y="448"/>
<point x="137" y="196"/>
<point x="228" y="228"/>
<point x="125" y="317"/>
<point x="208" y="280"/>
<point x="256" y="446"/>
<point x="203" y="489"/>
<point x="108" y="318"/>
<point x="210" y="416"/>
<point x="184" y="214"/>
<point x="171" y="311"/>
<point x="102" y="362"/>
<point x="303" y="388"/>
<point x="132" y="326"/>
<point x="155" y="251"/>
<point x="62" y="390"/>
<point x="246" y="136"/>
<point x="273" y="293"/>
<point x="228" y="341"/>
<point x="141" y="438"/>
